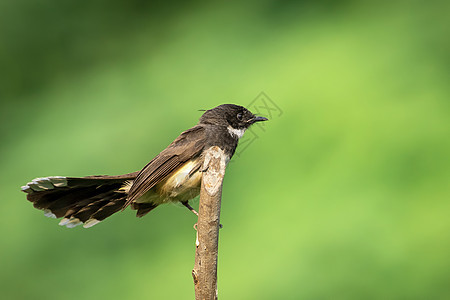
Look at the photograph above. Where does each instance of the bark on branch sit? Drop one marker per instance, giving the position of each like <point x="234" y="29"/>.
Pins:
<point x="205" y="268"/>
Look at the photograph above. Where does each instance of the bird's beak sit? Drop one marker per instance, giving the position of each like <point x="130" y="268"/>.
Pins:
<point x="259" y="119"/>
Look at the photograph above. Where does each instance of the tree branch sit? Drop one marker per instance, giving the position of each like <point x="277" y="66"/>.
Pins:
<point x="207" y="243"/>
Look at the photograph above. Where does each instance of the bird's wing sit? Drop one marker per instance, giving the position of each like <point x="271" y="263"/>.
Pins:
<point x="188" y="145"/>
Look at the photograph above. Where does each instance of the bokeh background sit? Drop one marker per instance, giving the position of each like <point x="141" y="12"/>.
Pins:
<point x="343" y="194"/>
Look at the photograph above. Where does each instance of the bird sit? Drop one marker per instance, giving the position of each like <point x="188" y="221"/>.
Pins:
<point x="173" y="176"/>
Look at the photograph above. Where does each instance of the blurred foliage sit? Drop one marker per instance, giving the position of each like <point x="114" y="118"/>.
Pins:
<point x="345" y="195"/>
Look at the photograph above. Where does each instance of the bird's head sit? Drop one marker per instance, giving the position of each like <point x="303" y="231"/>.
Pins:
<point x="236" y="118"/>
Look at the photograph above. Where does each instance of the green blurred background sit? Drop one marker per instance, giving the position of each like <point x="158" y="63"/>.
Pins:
<point x="344" y="194"/>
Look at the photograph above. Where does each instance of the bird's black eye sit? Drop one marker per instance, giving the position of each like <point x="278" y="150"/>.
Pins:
<point x="239" y="116"/>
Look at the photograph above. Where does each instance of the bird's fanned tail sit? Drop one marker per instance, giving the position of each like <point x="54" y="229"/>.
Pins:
<point x="79" y="200"/>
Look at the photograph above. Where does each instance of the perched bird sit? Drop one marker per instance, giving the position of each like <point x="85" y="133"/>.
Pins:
<point x="174" y="175"/>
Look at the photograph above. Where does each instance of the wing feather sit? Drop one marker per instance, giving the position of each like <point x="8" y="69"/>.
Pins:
<point x="188" y="145"/>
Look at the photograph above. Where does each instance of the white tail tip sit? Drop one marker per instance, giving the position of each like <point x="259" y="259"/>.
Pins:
<point x="91" y="222"/>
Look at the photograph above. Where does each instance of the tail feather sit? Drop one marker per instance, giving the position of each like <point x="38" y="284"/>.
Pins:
<point x="84" y="200"/>
<point x="83" y="211"/>
<point x="142" y="208"/>
<point x="68" y="200"/>
<point x="109" y="208"/>
<point x="93" y="209"/>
